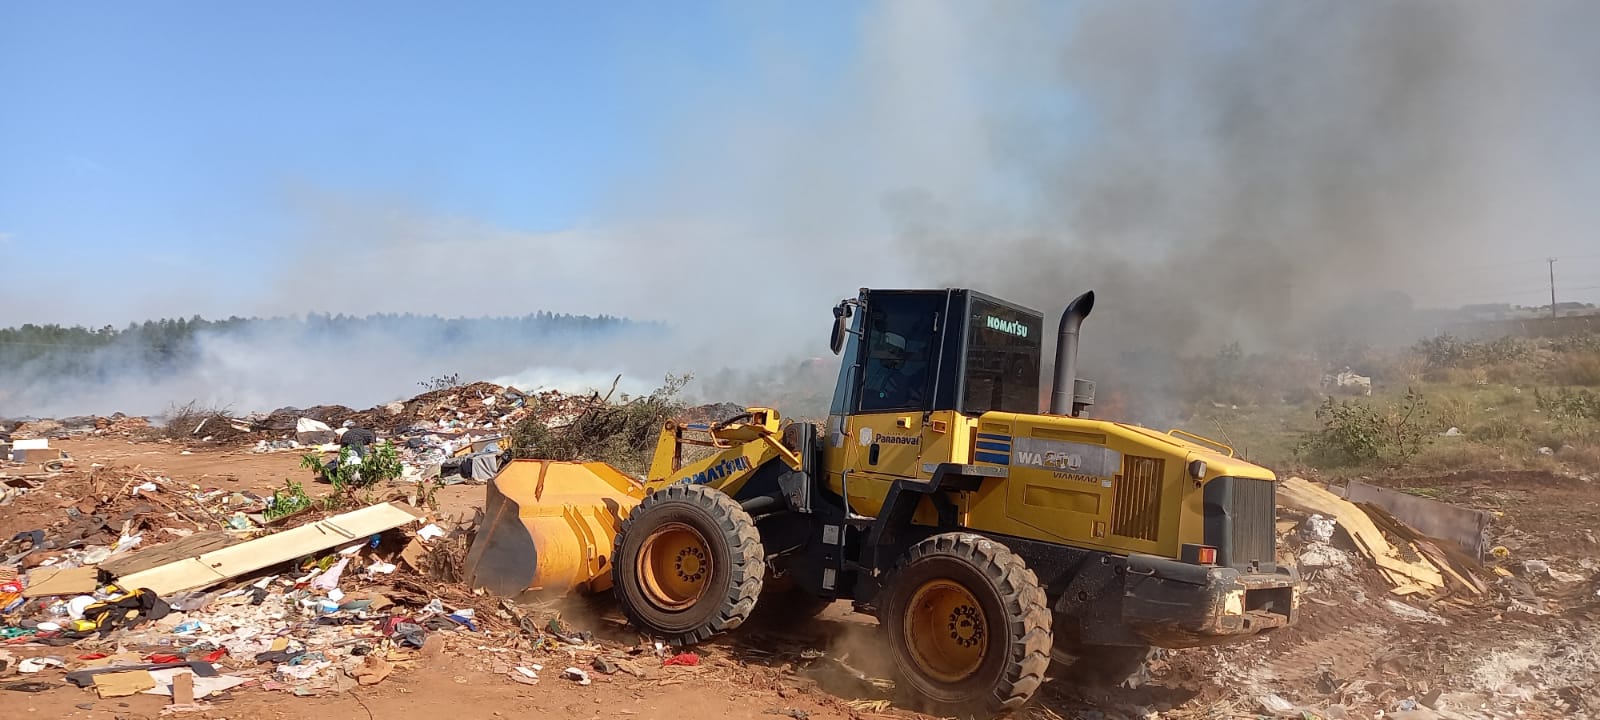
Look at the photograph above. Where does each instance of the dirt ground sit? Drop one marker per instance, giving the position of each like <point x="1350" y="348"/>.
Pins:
<point x="1528" y="650"/>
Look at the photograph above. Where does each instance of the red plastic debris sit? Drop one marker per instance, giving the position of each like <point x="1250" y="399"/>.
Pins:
<point x="687" y="659"/>
<point x="93" y="656"/>
<point x="216" y="655"/>
<point x="161" y="659"/>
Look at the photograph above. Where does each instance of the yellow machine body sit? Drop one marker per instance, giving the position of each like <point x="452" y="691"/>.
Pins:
<point x="1148" y="494"/>
<point x="550" y="525"/>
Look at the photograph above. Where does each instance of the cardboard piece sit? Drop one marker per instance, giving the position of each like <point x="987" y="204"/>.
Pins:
<point x="230" y="562"/>
<point x="1407" y="577"/>
<point x="182" y="689"/>
<point x="123" y="684"/>
<point x="47" y="582"/>
<point x="414" y="553"/>
<point x="173" y="682"/>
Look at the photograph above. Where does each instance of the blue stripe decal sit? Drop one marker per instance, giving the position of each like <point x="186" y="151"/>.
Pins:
<point x="1000" y="447"/>
<point x="994" y="458"/>
<point x="992" y="436"/>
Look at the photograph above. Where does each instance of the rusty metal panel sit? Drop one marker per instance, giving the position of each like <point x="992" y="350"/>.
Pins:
<point x="1136" y="499"/>
<point x="1433" y="518"/>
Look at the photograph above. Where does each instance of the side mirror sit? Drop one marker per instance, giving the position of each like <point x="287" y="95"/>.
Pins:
<point x="841" y="316"/>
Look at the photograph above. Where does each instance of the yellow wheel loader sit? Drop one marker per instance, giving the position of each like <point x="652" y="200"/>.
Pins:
<point x="985" y="536"/>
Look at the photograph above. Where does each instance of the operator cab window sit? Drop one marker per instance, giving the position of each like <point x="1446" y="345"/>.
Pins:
<point x="900" y="349"/>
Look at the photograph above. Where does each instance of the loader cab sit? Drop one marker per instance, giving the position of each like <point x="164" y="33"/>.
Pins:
<point x="932" y="350"/>
<point x="917" y="365"/>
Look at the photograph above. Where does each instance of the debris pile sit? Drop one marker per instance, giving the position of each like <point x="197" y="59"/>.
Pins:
<point x="1396" y="622"/>
<point x="144" y="584"/>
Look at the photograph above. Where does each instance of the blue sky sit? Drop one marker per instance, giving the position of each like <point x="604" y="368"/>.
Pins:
<point x="177" y="158"/>
<point x="158" y="141"/>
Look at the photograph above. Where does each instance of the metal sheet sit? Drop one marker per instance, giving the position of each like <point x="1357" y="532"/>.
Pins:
<point x="1430" y="517"/>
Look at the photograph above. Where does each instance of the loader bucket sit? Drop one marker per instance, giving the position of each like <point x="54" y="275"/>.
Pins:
<point x="550" y="526"/>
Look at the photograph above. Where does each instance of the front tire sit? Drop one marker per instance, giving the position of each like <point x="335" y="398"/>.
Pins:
<point x="968" y="624"/>
<point x="688" y="564"/>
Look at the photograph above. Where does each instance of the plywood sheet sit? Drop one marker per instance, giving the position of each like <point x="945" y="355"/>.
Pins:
<point x="230" y="562"/>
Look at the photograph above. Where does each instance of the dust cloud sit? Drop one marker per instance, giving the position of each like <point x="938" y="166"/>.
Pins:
<point x="1267" y="173"/>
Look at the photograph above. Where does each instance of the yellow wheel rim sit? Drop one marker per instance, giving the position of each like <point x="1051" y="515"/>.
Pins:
<point x="674" y="565"/>
<point x="945" y="630"/>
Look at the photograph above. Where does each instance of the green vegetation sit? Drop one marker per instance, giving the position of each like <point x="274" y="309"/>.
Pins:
<point x="621" y="432"/>
<point x="381" y="463"/>
<point x="288" y="501"/>
<point x="1514" y="403"/>
<point x="1355" y="432"/>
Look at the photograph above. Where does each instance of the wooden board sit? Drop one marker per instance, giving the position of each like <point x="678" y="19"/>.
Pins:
<point x="197" y="544"/>
<point x="230" y="562"/>
<point x="1455" y="566"/>
<point x="1302" y="495"/>
<point x="47" y="582"/>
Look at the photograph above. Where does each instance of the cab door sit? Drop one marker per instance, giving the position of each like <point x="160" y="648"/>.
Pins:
<point x="889" y="393"/>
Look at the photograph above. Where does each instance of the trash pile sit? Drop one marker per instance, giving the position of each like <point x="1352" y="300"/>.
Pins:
<point x="1398" y="622"/>
<point x="25" y="463"/>
<point x="144" y="586"/>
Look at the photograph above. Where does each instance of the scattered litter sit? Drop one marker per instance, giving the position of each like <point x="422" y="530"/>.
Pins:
<point x="37" y="664"/>
<point x="199" y="687"/>
<point x="430" y="532"/>
<point x="1276" y="706"/>
<point x="1411" y="613"/>
<point x="1318" y="528"/>
<point x="576" y="675"/>
<point x="372" y="670"/>
<point x="789" y="712"/>
<point x="687" y="659"/>
<point x="123" y="684"/>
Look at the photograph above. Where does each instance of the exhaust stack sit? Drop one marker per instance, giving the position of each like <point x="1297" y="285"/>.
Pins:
<point x="1066" y="397"/>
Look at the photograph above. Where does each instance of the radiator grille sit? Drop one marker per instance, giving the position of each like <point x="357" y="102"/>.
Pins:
<point x="1254" y="535"/>
<point x="1136" y="502"/>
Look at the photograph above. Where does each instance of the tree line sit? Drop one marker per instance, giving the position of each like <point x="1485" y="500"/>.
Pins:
<point x="167" y="345"/>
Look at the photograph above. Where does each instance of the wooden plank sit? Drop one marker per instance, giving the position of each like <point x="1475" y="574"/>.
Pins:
<point x="1426" y="547"/>
<point x="236" y="560"/>
<point x="197" y="544"/>
<point x="47" y="582"/>
<point x="1465" y="579"/>
<point x="1425" y="574"/>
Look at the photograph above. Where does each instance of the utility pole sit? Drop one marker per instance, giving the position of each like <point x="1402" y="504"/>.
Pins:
<point x="1552" y="288"/>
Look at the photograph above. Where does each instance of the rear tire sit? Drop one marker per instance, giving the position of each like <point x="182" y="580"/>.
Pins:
<point x="688" y="564"/>
<point x="968" y="624"/>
